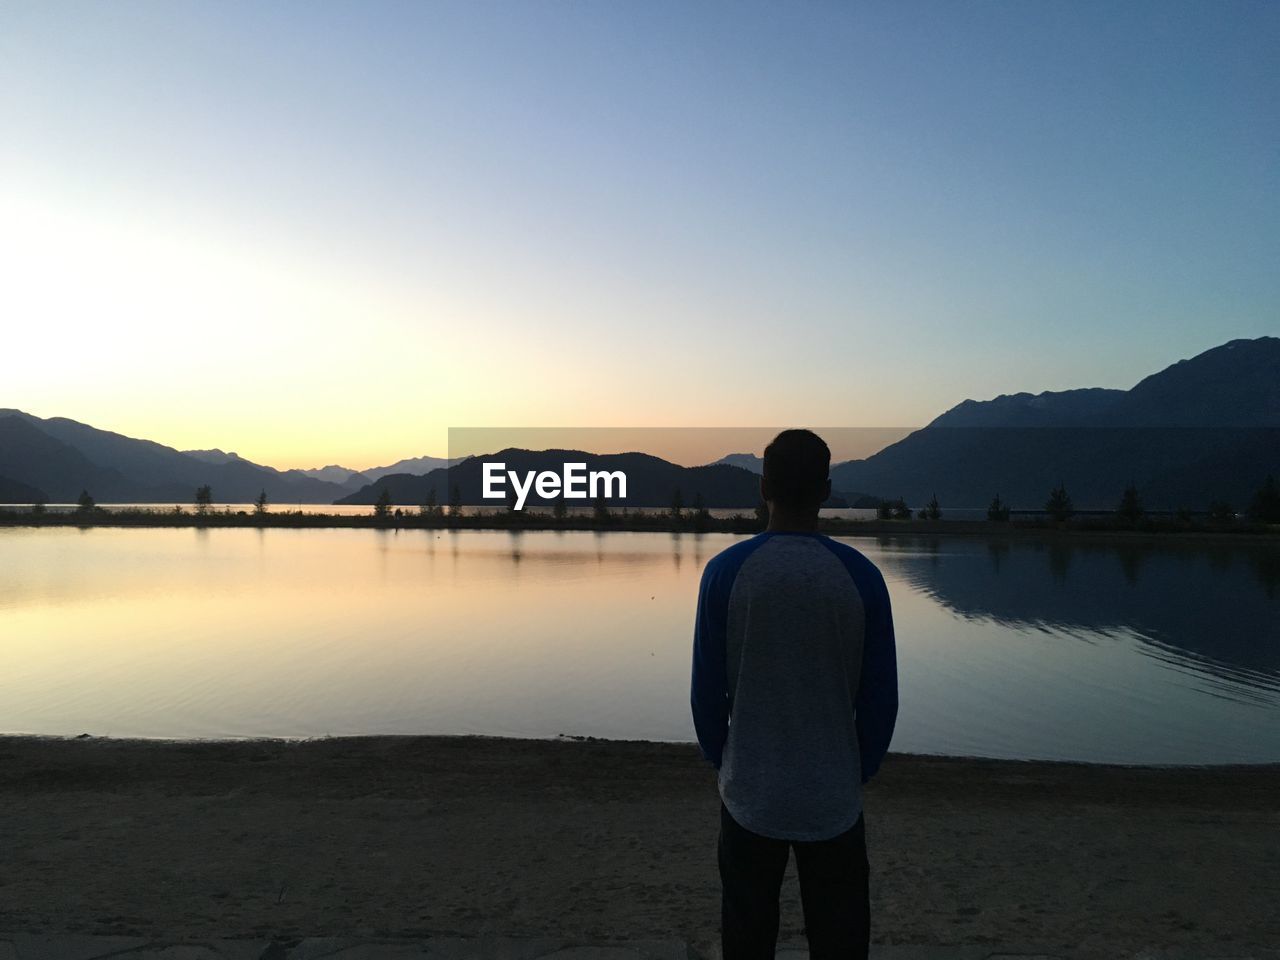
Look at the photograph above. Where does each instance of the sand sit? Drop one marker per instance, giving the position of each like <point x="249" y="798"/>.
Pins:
<point x="408" y="836"/>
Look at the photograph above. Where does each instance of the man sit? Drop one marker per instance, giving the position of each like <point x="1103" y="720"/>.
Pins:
<point x="795" y="695"/>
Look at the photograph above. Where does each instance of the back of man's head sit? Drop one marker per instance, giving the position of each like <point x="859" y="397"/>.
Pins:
<point x="796" y="465"/>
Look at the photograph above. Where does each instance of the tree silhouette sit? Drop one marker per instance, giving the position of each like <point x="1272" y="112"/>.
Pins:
<point x="931" y="510"/>
<point x="204" y="499"/>
<point x="382" y="506"/>
<point x="38" y="509"/>
<point x="260" y="505"/>
<point x="998" y="512"/>
<point x="700" y="506"/>
<point x="900" y="510"/>
<point x="677" y="503"/>
<point x="1266" y="502"/>
<point x="430" y="506"/>
<point x="86" y="503"/>
<point x="1130" y="509"/>
<point x="884" y="510"/>
<point x="560" y="509"/>
<point x="455" y="501"/>
<point x="701" y="515"/>
<point x="1221" y="512"/>
<point x="1059" y="506"/>
<point x="600" y="510"/>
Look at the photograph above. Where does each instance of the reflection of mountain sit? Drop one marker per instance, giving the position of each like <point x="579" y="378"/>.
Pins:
<point x="1215" y="605"/>
<point x="1203" y="429"/>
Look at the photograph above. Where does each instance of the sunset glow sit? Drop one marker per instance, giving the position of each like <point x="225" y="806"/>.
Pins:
<point x="328" y="239"/>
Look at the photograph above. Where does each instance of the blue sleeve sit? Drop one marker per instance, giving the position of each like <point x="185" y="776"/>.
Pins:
<point x="709" y="693"/>
<point x="876" y="707"/>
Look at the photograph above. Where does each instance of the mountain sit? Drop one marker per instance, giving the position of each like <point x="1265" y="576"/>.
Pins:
<point x="11" y="491"/>
<point x="839" y="498"/>
<point x="747" y="461"/>
<point x="342" y="476"/>
<point x="1067" y="408"/>
<point x="214" y="456"/>
<point x="31" y="457"/>
<point x="1203" y="429"/>
<point x="418" y="465"/>
<point x="1234" y="385"/>
<point x="651" y="481"/>
<point x="61" y="457"/>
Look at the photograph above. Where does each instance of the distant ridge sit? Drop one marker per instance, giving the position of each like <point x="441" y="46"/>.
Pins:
<point x="62" y="457"/>
<point x="333" y="473"/>
<point x="214" y="456"/>
<point x="1200" y="430"/>
<point x="651" y="481"/>
<point x="410" y="465"/>
<point x="747" y="461"/>
<point x="1066" y="408"/>
<point x="11" y="491"/>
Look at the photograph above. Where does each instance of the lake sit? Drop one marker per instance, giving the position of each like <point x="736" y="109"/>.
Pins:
<point x="1108" y="651"/>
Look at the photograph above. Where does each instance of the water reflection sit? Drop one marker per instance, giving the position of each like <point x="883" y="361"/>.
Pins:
<point x="1087" y="650"/>
<point x="1215" y="606"/>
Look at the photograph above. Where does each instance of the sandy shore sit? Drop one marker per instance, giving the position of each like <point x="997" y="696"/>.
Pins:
<point x="406" y="836"/>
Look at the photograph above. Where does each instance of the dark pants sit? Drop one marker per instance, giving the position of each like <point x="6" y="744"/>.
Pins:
<point x="833" y="892"/>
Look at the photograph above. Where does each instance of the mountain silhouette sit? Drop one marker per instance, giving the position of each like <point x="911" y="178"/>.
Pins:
<point x="31" y="457"/>
<point x="11" y="491"/>
<point x="651" y="481"/>
<point x="1203" y="429"/>
<point x="342" y="476"/>
<point x="747" y="461"/>
<point x="418" y="465"/>
<point x="61" y="457"/>
<point x="215" y="456"/>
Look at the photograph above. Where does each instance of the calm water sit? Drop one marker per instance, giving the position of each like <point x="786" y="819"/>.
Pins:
<point x="1145" y="654"/>
<point x="364" y="509"/>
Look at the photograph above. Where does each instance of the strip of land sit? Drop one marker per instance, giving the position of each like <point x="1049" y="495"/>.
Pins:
<point x="1088" y="527"/>
<point x="415" y="836"/>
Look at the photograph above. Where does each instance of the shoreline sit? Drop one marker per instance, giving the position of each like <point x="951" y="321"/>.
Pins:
<point x="415" y="835"/>
<point x="489" y="738"/>
<point x="1156" y="529"/>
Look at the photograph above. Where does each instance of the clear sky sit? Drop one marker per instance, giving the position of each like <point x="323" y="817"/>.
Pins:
<point x="325" y="232"/>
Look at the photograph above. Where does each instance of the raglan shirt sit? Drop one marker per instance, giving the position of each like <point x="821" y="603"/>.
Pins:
<point x="795" y="686"/>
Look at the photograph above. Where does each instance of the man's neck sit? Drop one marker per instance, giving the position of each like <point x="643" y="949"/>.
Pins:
<point x="785" y="521"/>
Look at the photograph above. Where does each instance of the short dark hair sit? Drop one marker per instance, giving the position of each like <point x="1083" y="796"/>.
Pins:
<point x="796" y="468"/>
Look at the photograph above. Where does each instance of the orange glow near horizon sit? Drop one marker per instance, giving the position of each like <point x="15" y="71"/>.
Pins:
<point x="199" y="334"/>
